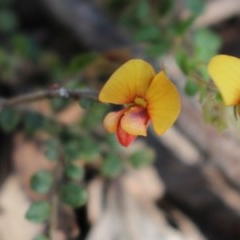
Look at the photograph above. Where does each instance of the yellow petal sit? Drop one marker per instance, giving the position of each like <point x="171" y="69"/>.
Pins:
<point x="112" y="119"/>
<point x="225" y="72"/>
<point x="163" y="103"/>
<point x="130" y="80"/>
<point x="135" y="121"/>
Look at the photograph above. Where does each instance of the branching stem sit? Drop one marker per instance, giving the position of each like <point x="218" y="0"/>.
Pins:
<point x="49" y="93"/>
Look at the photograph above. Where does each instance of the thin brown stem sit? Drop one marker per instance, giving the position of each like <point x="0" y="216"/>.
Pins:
<point x="49" y="93"/>
<point x="53" y="222"/>
<point x="54" y="195"/>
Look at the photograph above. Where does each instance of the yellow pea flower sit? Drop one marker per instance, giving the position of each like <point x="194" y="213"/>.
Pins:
<point x="225" y="72"/>
<point x="146" y="97"/>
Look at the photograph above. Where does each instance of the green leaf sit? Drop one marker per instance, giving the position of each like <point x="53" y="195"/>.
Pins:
<point x="181" y="60"/>
<point x="156" y="49"/>
<point x="112" y="166"/>
<point x="147" y="33"/>
<point x="74" y="195"/>
<point x="41" y="237"/>
<point x="191" y="87"/>
<point x="86" y="147"/>
<point x="52" y="150"/>
<point x="180" y="27"/>
<point x="112" y="141"/>
<point x="8" y="20"/>
<point x="186" y="64"/>
<point x="142" y="9"/>
<point x="206" y="44"/>
<point x="86" y="103"/>
<point x="73" y="149"/>
<point x="195" y="6"/>
<point x="202" y="71"/>
<point x="41" y="181"/>
<point x="59" y="104"/>
<point x="89" y="149"/>
<point x="33" y="122"/>
<point x="50" y="126"/>
<point x="141" y="158"/>
<point x="38" y="212"/>
<point x="9" y="118"/>
<point x="80" y="62"/>
<point x="94" y="116"/>
<point x="74" y="172"/>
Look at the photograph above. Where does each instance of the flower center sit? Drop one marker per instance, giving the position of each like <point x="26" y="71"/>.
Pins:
<point x="140" y="102"/>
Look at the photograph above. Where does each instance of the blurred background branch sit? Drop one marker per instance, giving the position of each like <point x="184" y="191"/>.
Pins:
<point x="49" y="93"/>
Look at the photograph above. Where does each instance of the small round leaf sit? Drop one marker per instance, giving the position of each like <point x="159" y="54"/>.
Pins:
<point x="41" y="181"/>
<point x="141" y="158"/>
<point x="191" y="87"/>
<point x="74" y="195"/>
<point x="33" y="122"/>
<point x="51" y="150"/>
<point x="86" y="103"/>
<point x="74" y="172"/>
<point x="9" y="118"/>
<point x="38" y="212"/>
<point x="112" y="166"/>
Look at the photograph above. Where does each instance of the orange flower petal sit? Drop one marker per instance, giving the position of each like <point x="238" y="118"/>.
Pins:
<point x="111" y="120"/>
<point x="163" y="103"/>
<point x="135" y="121"/>
<point x="124" y="138"/>
<point x="225" y="72"/>
<point x="130" y="80"/>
